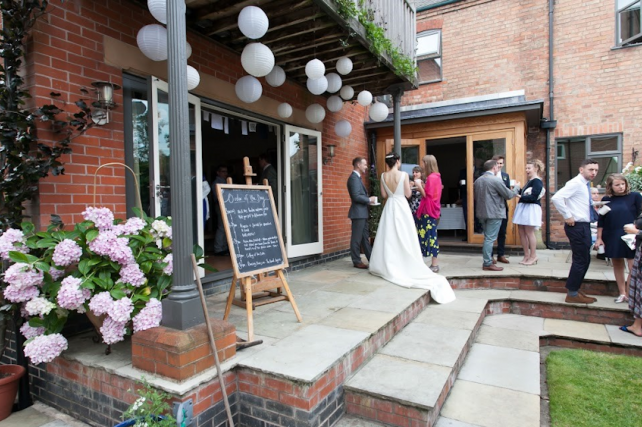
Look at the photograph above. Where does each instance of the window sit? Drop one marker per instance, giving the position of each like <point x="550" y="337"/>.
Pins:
<point x="628" y="22"/>
<point x="605" y="149"/>
<point x="429" y="56"/>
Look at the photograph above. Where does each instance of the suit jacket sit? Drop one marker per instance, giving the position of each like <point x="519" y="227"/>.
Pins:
<point x="506" y="180"/>
<point x="269" y="173"/>
<point x="359" y="197"/>
<point x="489" y="194"/>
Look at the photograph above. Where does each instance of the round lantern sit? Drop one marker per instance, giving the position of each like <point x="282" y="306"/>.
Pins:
<point x="248" y="89"/>
<point x="188" y="50"/>
<point x="314" y="69"/>
<point x="284" y="110"/>
<point x="344" y="65"/>
<point x="152" y="41"/>
<point x="253" y="22"/>
<point x="378" y="111"/>
<point x="334" y="104"/>
<point x="257" y="59"/>
<point x="158" y="9"/>
<point x="315" y="113"/>
<point x="193" y="78"/>
<point x="347" y="92"/>
<point x="343" y="128"/>
<point x="276" y="77"/>
<point x="317" y="86"/>
<point x="364" y="98"/>
<point x="334" y="82"/>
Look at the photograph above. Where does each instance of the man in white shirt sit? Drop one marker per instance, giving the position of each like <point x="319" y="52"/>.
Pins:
<point x="573" y="202"/>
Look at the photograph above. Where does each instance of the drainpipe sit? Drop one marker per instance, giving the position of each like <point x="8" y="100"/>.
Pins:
<point x="551" y="123"/>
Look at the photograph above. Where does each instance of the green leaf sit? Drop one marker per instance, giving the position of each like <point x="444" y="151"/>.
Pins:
<point x="18" y="257"/>
<point x="198" y="252"/>
<point x="83" y="267"/>
<point x="208" y="267"/>
<point x="117" y="293"/>
<point x="36" y="322"/>
<point x="46" y="243"/>
<point x="27" y="227"/>
<point x="167" y="242"/>
<point x="42" y="266"/>
<point x="91" y="235"/>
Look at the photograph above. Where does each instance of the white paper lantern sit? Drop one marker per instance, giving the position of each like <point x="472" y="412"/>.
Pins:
<point x="315" y="113"/>
<point x="158" y="9"/>
<point x="317" y="86"/>
<point x="284" y="110"/>
<point x="253" y="22"/>
<point x="193" y="78"/>
<point x="334" y="103"/>
<point x="347" y="92"/>
<point x="276" y="77"/>
<point x="152" y="41"/>
<point x="257" y="59"/>
<point x="343" y="128"/>
<point x="314" y="69"/>
<point x="188" y="50"/>
<point x="344" y="65"/>
<point x="334" y="82"/>
<point x="248" y="89"/>
<point x="378" y="111"/>
<point x="364" y="98"/>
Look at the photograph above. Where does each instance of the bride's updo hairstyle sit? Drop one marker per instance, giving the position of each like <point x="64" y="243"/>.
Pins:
<point x="391" y="159"/>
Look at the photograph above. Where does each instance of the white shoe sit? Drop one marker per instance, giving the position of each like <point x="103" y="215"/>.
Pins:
<point x="621" y="299"/>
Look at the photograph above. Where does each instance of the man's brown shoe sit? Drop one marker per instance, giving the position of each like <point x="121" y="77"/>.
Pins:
<point x="587" y="296"/>
<point x="361" y="265"/>
<point x="492" y="268"/>
<point x="503" y="259"/>
<point x="579" y="299"/>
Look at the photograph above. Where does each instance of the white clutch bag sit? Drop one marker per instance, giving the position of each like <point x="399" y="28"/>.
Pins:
<point x="629" y="239"/>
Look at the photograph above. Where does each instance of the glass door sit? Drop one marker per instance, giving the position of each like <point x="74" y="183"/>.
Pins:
<point x="412" y="151"/>
<point x="303" y="193"/>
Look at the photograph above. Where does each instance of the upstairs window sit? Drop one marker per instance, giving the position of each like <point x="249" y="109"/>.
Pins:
<point x="628" y="22"/>
<point x="429" y="56"/>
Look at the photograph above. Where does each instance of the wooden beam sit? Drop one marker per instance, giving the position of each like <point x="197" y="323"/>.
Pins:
<point x="223" y="8"/>
<point x="281" y="50"/>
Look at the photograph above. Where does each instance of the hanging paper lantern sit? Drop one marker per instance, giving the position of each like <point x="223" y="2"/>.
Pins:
<point x="152" y="41"/>
<point x="284" y="110"/>
<point x="334" y="104"/>
<point x="317" y="86"/>
<point x="343" y="128"/>
<point x="253" y="22"/>
<point x="257" y="59"/>
<point x="193" y="78"/>
<point x="276" y="77"/>
<point x="364" y="98"/>
<point x="158" y="9"/>
<point x="347" y="92"/>
<point x="378" y="111"/>
<point x="314" y="69"/>
<point x="188" y="50"/>
<point x="344" y="65"/>
<point x="315" y="113"/>
<point x="248" y="89"/>
<point x="334" y="82"/>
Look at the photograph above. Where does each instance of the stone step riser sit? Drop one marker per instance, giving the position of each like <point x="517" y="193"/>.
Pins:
<point x="592" y="287"/>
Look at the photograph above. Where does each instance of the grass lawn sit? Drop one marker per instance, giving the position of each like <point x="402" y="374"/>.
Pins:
<point x="594" y="389"/>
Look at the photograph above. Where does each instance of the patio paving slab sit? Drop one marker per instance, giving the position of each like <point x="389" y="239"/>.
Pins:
<point x="472" y="305"/>
<point x="318" y="304"/>
<point x="447" y="422"/>
<point x="574" y="329"/>
<point x="511" y="338"/>
<point x="358" y="319"/>
<point x="354" y="286"/>
<point x="452" y="319"/>
<point x="352" y="421"/>
<point x="620" y="337"/>
<point x="324" y="276"/>
<point x="517" y="322"/>
<point x="391" y="298"/>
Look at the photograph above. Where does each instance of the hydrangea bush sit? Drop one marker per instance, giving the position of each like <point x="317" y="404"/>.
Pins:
<point x="119" y="270"/>
<point x="634" y="176"/>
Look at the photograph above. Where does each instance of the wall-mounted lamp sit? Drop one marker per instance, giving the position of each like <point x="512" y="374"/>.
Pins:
<point x="328" y="159"/>
<point x="105" y="101"/>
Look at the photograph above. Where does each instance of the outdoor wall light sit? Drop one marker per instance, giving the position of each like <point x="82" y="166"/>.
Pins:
<point x="104" y="102"/>
<point x="328" y="159"/>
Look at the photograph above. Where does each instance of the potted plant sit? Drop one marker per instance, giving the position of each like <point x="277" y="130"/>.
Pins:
<point x="151" y="409"/>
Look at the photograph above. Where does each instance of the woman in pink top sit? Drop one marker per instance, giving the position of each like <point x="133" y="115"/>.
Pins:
<point x="429" y="211"/>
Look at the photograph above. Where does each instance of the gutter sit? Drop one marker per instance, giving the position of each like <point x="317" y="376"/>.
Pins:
<point x="551" y="123"/>
<point x="436" y="5"/>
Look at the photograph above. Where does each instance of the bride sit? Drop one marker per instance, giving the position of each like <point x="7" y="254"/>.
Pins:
<point x="396" y="255"/>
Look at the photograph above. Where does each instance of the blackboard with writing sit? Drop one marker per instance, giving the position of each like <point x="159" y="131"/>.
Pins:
<point x="252" y="228"/>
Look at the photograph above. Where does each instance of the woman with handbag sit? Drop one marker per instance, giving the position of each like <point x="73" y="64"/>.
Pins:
<point x="528" y="213"/>
<point x="635" y="283"/>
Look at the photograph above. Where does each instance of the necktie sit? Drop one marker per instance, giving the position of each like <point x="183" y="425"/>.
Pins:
<point x="592" y="213"/>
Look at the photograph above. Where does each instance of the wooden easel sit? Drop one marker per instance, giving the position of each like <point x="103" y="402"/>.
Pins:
<point x="258" y="287"/>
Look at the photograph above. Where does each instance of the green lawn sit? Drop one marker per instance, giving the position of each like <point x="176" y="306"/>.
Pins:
<point x="594" y="389"/>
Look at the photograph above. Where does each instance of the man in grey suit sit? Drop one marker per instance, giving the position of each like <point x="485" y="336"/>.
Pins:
<point x="358" y="213"/>
<point x="268" y="172"/>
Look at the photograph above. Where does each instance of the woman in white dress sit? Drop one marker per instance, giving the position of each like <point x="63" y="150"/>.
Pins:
<point x="396" y="255"/>
<point x="528" y="213"/>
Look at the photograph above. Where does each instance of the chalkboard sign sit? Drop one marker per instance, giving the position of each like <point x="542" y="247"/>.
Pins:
<point x="252" y="228"/>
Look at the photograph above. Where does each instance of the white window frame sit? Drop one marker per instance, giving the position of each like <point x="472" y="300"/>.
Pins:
<point x="435" y="56"/>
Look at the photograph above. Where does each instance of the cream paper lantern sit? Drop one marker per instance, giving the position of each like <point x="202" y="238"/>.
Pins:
<point x="343" y="128"/>
<point x="378" y="111"/>
<point x="315" y="113"/>
<point x="276" y="77"/>
<point x="317" y="86"/>
<point x="284" y="110"/>
<point x="347" y="92"/>
<point x="248" y="89"/>
<point x="193" y="78"/>
<point x="253" y="22"/>
<point x="334" y="82"/>
<point x="188" y="50"/>
<point x="334" y="104"/>
<point x="152" y="41"/>
<point x="344" y="65"/>
<point x="257" y="59"/>
<point x="364" y="98"/>
<point x="158" y="9"/>
<point x="314" y="69"/>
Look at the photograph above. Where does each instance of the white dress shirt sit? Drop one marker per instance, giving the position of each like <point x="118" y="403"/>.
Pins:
<point x="572" y="201"/>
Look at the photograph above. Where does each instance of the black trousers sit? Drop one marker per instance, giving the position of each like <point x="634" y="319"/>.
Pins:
<point x="579" y="236"/>
<point x="360" y="238"/>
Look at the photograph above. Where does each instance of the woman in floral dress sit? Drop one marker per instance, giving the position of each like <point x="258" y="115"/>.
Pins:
<point x="635" y="285"/>
<point x="416" y="189"/>
<point x="429" y="212"/>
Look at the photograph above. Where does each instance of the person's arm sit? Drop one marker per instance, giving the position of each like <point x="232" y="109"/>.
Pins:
<point x="559" y="200"/>
<point x="419" y="186"/>
<point x="353" y="189"/>
<point x="406" y="185"/>
<point x="536" y="188"/>
<point x="598" y="241"/>
<point x="506" y="193"/>
<point x="382" y="190"/>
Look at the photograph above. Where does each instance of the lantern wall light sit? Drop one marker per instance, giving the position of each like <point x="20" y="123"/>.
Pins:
<point x="104" y="101"/>
<point x="328" y="159"/>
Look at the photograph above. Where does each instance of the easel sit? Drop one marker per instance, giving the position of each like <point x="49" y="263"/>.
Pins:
<point x="257" y="287"/>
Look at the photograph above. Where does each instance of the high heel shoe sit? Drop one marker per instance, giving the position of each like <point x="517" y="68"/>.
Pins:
<point x="531" y="262"/>
<point x="523" y="261"/>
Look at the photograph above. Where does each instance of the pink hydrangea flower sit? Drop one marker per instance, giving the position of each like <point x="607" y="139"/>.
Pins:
<point x="66" y="253"/>
<point x="45" y="348"/>
<point x="55" y="273"/>
<point x="107" y="243"/>
<point x="169" y="268"/>
<point x="13" y="293"/>
<point x="131" y="227"/>
<point x="12" y="240"/>
<point x="71" y="296"/>
<point x="22" y="275"/>
<point x="121" y="310"/>
<point x="103" y="218"/>
<point x="30" y="332"/>
<point x="149" y="317"/>
<point x="132" y="274"/>
<point x="112" y="331"/>
<point x="39" y="307"/>
<point x="101" y="303"/>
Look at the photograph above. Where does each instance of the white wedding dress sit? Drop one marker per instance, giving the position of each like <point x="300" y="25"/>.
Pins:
<point x="396" y="255"/>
